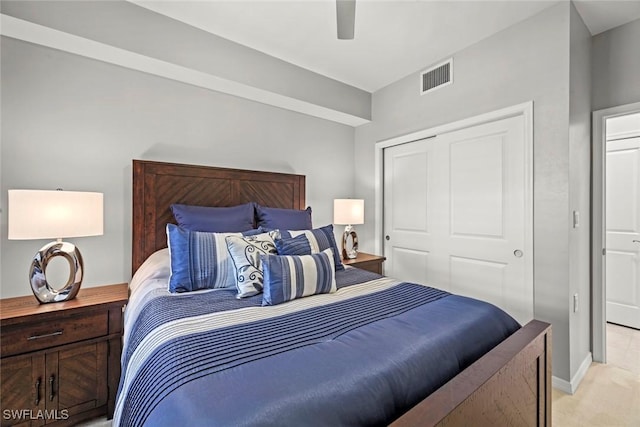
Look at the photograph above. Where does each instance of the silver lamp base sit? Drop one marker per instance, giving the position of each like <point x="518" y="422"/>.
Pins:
<point x="349" y="251"/>
<point x="38" y="274"/>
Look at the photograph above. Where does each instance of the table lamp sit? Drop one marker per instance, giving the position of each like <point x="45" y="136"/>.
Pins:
<point x="348" y="212"/>
<point x="42" y="214"/>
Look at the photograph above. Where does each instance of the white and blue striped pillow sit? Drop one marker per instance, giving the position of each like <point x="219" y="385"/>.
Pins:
<point x="199" y="260"/>
<point x="318" y="240"/>
<point x="287" y="277"/>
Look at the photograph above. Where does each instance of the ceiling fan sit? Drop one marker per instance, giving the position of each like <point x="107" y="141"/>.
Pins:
<point x="346" y="14"/>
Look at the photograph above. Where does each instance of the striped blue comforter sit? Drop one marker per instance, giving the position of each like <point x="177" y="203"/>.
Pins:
<point x="361" y="356"/>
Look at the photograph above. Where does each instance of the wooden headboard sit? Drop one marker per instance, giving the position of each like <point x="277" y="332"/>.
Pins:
<point x="157" y="185"/>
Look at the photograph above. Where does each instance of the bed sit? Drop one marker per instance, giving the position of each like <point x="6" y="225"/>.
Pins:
<point x="359" y="356"/>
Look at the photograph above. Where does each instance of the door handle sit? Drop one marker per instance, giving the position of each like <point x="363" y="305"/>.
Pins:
<point x="518" y="253"/>
<point x="387" y="237"/>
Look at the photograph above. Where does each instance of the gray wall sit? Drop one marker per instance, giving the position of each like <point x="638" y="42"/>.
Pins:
<point x="616" y="66"/>
<point x="76" y="123"/>
<point x="580" y="188"/>
<point x="529" y="61"/>
<point x="136" y="29"/>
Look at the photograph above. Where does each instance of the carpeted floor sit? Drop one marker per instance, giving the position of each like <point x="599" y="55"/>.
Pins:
<point x="609" y="395"/>
<point x="623" y="347"/>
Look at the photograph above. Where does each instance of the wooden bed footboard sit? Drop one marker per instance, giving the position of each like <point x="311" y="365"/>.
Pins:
<point x="509" y="386"/>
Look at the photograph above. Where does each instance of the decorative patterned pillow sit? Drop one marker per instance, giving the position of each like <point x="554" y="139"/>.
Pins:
<point x="287" y="277"/>
<point x="214" y="219"/>
<point x="318" y="239"/>
<point x="245" y="252"/>
<point x="289" y="219"/>
<point x="199" y="260"/>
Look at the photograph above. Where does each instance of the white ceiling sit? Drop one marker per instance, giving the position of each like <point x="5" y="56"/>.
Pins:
<point x="393" y="38"/>
<point x="603" y="15"/>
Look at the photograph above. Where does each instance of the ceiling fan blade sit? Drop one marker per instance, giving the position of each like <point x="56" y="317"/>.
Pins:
<point x="346" y="13"/>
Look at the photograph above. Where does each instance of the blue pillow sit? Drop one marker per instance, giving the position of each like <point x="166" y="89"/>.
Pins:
<point x="288" y="219"/>
<point x="298" y="245"/>
<point x="214" y="219"/>
<point x="254" y="232"/>
<point x="245" y="252"/>
<point x="318" y="240"/>
<point x="199" y="260"/>
<point x="287" y="277"/>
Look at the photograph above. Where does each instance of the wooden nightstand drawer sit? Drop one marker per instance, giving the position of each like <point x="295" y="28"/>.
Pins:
<point x="36" y="336"/>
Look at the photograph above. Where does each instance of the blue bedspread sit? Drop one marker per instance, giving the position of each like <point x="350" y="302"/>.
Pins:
<point x="361" y="356"/>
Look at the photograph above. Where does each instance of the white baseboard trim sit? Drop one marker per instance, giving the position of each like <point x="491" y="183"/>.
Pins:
<point x="560" y="384"/>
<point x="571" y="387"/>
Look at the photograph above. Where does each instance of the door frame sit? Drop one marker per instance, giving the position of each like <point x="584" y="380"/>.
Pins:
<point x="598" y="229"/>
<point x="525" y="110"/>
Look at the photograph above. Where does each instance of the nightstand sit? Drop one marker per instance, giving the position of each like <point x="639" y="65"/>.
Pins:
<point x="367" y="262"/>
<point x="61" y="361"/>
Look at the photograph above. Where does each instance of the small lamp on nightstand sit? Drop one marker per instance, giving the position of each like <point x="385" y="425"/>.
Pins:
<point x="41" y="214"/>
<point x="348" y="212"/>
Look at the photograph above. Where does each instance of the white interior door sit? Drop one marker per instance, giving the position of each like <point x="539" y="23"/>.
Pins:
<point x="455" y="214"/>
<point x="408" y="215"/>
<point x="623" y="231"/>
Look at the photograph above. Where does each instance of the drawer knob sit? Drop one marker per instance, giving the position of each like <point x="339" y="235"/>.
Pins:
<point x="52" y="334"/>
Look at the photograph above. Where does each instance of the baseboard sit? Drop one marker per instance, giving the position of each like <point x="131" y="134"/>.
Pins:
<point x="571" y="387"/>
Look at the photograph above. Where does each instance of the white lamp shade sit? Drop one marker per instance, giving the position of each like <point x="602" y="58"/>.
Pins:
<point x="348" y="211"/>
<point x="42" y="214"/>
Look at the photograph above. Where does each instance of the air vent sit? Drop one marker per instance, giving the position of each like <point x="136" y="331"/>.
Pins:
<point x="436" y="77"/>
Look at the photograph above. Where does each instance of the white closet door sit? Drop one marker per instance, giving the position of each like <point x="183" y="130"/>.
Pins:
<point x="455" y="214"/>
<point x="409" y="177"/>
<point x="623" y="232"/>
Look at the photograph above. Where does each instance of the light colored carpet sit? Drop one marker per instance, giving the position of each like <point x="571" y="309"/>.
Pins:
<point x="623" y="347"/>
<point x="608" y="396"/>
<point x="98" y="422"/>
